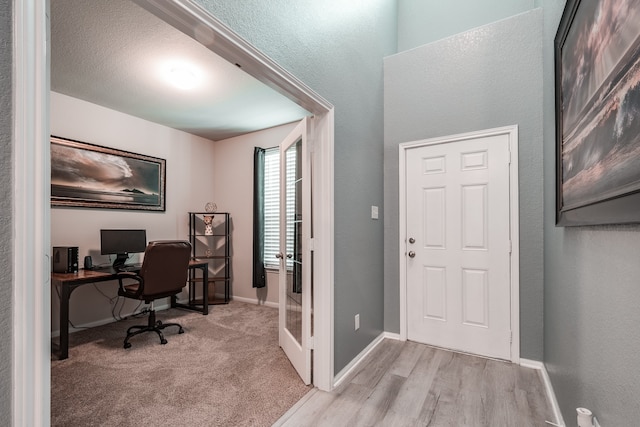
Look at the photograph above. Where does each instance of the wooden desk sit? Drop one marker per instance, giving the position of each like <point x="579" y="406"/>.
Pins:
<point x="68" y="282"/>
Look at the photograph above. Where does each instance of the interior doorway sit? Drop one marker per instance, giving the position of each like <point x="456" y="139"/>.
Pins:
<point x="32" y="211"/>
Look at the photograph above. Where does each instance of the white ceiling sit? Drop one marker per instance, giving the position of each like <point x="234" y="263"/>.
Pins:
<point x="113" y="53"/>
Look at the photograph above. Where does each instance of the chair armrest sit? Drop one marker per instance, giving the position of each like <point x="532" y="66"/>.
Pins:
<point x="122" y="277"/>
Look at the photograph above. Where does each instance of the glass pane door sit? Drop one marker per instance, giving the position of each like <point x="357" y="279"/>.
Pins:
<point x="295" y="280"/>
<point x="293" y="200"/>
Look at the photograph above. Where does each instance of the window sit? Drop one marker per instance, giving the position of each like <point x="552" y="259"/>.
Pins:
<point x="272" y="206"/>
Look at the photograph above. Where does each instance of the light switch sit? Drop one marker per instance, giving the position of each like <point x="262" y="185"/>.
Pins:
<point x="374" y="212"/>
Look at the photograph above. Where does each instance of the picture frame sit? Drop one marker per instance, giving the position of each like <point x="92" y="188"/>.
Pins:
<point x="85" y="175"/>
<point x="597" y="102"/>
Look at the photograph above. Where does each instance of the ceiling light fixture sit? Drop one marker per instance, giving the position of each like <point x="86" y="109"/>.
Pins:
<point x="182" y="77"/>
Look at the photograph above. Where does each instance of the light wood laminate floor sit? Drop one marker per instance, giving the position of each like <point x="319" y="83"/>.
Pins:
<point x="410" y="384"/>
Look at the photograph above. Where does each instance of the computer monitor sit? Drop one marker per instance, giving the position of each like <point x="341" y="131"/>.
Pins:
<point x="122" y="243"/>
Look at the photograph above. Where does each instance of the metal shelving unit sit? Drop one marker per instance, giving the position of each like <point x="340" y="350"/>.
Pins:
<point x="210" y="238"/>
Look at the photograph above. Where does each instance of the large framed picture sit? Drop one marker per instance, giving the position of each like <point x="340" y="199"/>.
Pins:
<point x="92" y="176"/>
<point x="597" y="67"/>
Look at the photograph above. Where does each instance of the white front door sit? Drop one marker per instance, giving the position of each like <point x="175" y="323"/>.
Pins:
<point x="458" y="286"/>
<point x="295" y="255"/>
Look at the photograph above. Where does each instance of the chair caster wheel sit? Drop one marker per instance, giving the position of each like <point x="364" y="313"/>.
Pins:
<point x="127" y="345"/>
<point x="163" y="341"/>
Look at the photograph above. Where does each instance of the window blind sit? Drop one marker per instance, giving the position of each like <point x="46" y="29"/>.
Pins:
<point x="272" y="205"/>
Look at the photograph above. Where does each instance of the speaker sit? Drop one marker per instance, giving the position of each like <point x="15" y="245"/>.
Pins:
<point x="88" y="262"/>
<point x="65" y="259"/>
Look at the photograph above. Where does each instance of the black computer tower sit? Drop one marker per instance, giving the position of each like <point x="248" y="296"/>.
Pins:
<point x="65" y="259"/>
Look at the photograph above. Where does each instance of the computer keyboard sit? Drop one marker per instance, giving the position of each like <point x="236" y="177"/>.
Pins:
<point x="126" y="268"/>
<point x="130" y="267"/>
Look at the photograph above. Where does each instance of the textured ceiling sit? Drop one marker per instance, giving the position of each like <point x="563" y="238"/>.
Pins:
<point x="113" y="53"/>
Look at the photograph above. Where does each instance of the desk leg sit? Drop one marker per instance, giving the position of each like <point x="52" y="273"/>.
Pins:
<point x="64" y="321"/>
<point x="205" y="290"/>
<point x="192" y="303"/>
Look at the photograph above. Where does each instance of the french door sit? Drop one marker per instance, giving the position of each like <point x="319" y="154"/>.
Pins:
<point x="295" y="254"/>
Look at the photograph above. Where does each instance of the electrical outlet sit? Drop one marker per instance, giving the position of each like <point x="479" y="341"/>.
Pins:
<point x="374" y="212"/>
<point x="357" y="322"/>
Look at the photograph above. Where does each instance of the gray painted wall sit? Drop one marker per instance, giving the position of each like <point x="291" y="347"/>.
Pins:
<point x="424" y="21"/>
<point x="592" y="294"/>
<point x="484" y="78"/>
<point x="6" y="206"/>
<point x="336" y="47"/>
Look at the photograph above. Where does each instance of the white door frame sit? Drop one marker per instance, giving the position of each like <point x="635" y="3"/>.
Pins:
<point x="31" y="191"/>
<point x="31" y="216"/>
<point x="512" y="132"/>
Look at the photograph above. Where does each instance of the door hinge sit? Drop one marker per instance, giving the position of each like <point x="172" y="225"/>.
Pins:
<point x="311" y="244"/>
<point x="510" y="246"/>
<point x="510" y="337"/>
<point x="310" y="343"/>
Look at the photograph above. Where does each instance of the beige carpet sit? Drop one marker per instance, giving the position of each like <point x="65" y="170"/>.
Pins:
<point x="225" y="370"/>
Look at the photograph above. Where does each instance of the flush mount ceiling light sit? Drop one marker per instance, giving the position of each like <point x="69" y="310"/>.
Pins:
<point x="182" y="76"/>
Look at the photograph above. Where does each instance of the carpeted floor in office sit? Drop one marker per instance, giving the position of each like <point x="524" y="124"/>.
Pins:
<point x="225" y="370"/>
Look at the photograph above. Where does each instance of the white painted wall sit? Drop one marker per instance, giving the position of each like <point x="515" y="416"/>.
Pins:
<point x="233" y="187"/>
<point x="189" y="185"/>
<point x="198" y="171"/>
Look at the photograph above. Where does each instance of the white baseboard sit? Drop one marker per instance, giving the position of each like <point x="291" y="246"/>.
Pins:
<point x="534" y="364"/>
<point x="392" y="336"/>
<point x="254" y="301"/>
<point x="158" y="307"/>
<point x="344" y="373"/>
<point x="100" y="322"/>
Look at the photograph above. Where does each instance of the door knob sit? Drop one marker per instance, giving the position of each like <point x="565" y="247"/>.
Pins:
<point x="279" y="255"/>
<point x="412" y="254"/>
<point x="412" y="240"/>
<point x="289" y="256"/>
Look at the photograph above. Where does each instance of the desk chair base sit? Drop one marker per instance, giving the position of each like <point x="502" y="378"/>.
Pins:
<point x="151" y="326"/>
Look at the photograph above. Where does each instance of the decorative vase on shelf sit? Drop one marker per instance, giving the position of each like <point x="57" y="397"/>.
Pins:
<point x="208" y="225"/>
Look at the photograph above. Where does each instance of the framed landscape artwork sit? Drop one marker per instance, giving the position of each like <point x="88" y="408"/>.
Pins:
<point x="597" y="67"/>
<point x="91" y="176"/>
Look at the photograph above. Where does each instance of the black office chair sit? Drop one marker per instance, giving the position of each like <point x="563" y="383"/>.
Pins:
<point x="163" y="274"/>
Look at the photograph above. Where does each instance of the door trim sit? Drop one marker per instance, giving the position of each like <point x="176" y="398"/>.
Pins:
<point x="31" y="303"/>
<point x="514" y="229"/>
